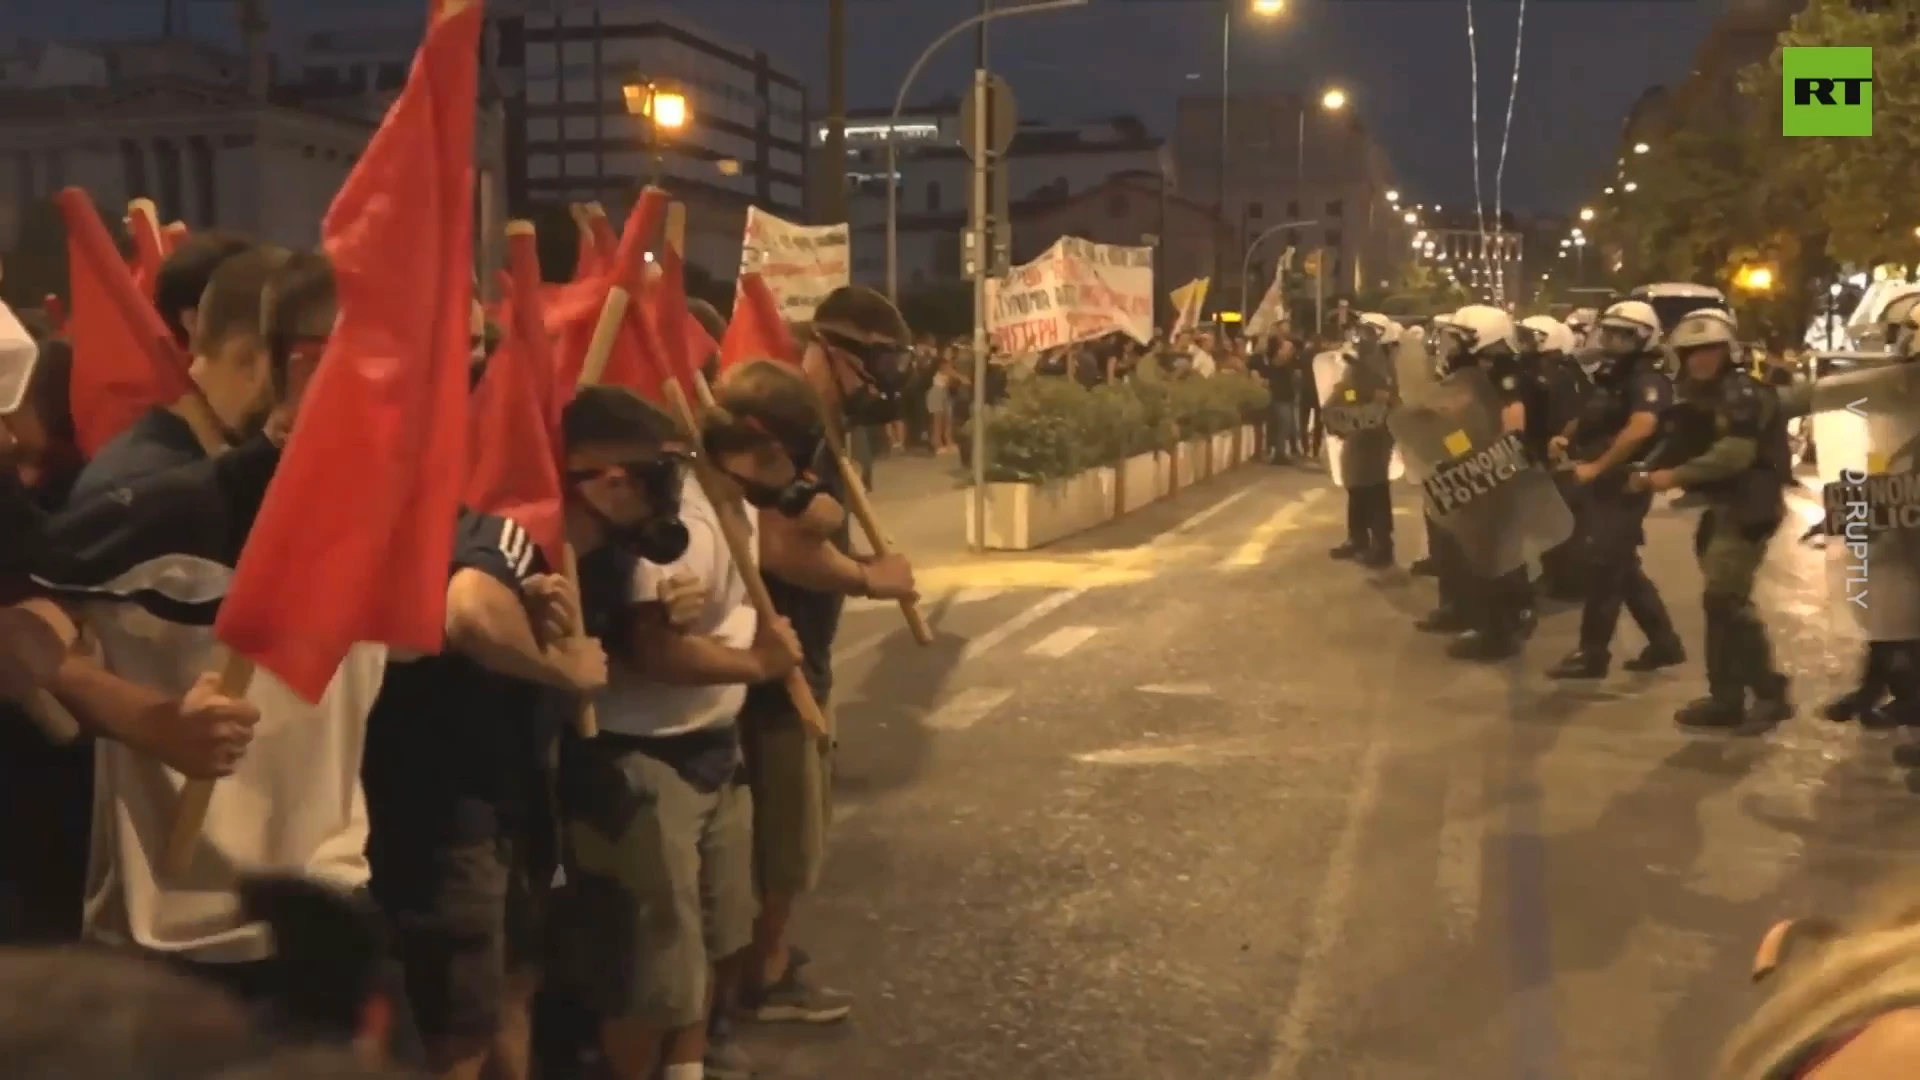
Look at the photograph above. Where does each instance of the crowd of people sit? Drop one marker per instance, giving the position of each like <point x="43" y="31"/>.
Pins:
<point x="485" y="864"/>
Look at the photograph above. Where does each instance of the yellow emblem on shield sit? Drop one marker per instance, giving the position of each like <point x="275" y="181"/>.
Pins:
<point x="1876" y="464"/>
<point x="1458" y="444"/>
<point x="1351" y="396"/>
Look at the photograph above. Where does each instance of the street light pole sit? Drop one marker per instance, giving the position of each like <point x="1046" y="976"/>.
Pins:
<point x="1226" y="113"/>
<point x="900" y="103"/>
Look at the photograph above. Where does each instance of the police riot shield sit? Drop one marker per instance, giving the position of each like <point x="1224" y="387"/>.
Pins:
<point x="1872" y="500"/>
<point x="1355" y="396"/>
<point x="1413" y="366"/>
<point x="1481" y="483"/>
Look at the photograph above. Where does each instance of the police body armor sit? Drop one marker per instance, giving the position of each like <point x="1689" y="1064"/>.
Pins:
<point x="1355" y="398"/>
<point x="1567" y="388"/>
<point x="1873" y="504"/>
<point x="1482" y="484"/>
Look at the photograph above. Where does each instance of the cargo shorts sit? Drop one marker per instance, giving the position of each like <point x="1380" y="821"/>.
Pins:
<point x="658" y="885"/>
<point x="791" y="773"/>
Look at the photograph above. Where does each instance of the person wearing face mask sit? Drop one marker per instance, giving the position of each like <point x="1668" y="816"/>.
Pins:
<point x="1742" y="476"/>
<point x="852" y="364"/>
<point x="1615" y="429"/>
<point x="230" y="371"/>
<point x="665" y="815"/>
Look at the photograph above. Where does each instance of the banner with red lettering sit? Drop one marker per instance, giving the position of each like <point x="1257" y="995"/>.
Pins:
<point x="1076" y="291"/>
<point x="801" y="264"/>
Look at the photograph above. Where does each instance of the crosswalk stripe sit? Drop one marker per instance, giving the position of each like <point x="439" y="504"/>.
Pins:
<point x="1062" y="641"/>
<point x="1254" y="551"/>
<point x="975" y="596"/>
<point x="967" y="708"/>
<point x="1019" y="622"/>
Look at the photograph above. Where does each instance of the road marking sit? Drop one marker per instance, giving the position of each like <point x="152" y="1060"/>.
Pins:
<point x="1019" y="622"/>
<point x="1062" y="641"/>
<point x="1254" y="551"/>
<point x="1308" y="1002"/>
<point x="965" y="709"/>
<point x="1463" y="837"/>
<point x="1198" y="518"/>
<point x="975" y="596"/>
<point x="847" y="654"/>
<point x="1177" y="689"/>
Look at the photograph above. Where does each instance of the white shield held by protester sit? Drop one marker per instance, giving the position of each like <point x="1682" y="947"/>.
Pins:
<point x="1481" y="483"/>
<point x="1355" y="392"/>
<point x="1872" y="501"/>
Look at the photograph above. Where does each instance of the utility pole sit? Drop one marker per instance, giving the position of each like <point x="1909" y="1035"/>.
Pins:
<point x="983" y="265"/>
<point x="833" y="191"/>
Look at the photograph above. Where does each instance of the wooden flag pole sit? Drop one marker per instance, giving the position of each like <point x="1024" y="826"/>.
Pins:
<point x="586" y="722"/>
<point x="862" y="510"/>
<point x="733" y="528"/>
<point x="143" y="214"/>
<point x="236" y="675"/>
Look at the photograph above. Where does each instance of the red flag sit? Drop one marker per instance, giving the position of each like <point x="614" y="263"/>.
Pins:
<point x="631" y="363"/>
<point x="149" y="250"/>
<point x="383" y="424"/>
<point x="173" y="236"/>
<point x="669" y="321"/>
<point x="757" y="330"/>
<point x="125" y="361"/>
<point x="605" y="244"/>
<point x="514" y="437"/>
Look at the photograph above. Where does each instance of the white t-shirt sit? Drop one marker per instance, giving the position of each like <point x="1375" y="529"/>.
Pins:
<point x="18" y="352"/>
<point x="635" y="705"/>
<point x="1203" y="364"/>
<point x="293" y="806"/>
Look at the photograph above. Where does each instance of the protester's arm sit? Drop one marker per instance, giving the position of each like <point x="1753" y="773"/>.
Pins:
<point x="487" y="619"/>
<point x="666" y="654"/>
<point x="201" y="734"/>
<point x="798" y="555"/>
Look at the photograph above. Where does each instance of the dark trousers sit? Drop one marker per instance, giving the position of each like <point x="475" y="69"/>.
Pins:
<point x="1370" y="516"/>
<point x="1310" y="430"/>
<point x="1564" y="568"/>
<point x="1495" y="606"/>
<point x="1890" y="669"/>
<point x="1616" y="579"/>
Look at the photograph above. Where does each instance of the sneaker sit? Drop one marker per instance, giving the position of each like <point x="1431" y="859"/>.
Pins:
<point x="796" y="1000"/>
<point x="726" y="1059"/>
<point x="1348" y="550"/>
<point x="1580" y="665"/>
<point x="1711" y="713"/>
<point x="1423" y="567"/>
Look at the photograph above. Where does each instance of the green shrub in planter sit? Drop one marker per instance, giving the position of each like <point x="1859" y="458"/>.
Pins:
<point x="1041" y="432"/>
<point x="1116" y="424"/>
<point x="1204" y="406"/>
<point x="1247" y="394"/>
<point x="1152" y="387"/>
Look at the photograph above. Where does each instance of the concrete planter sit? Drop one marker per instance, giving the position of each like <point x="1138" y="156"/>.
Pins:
<point x="1247" y="446"/>
<point x="1220" y="451"/>
<point x="1021" y="517"/>
<point x="1143" y="478"/>
<point x="1199" y="459"/>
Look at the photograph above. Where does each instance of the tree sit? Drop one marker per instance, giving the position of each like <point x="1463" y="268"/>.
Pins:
<point x="1863" y="190"/>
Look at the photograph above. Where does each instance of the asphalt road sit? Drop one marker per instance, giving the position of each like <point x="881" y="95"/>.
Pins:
<point x="1186" y="799"/>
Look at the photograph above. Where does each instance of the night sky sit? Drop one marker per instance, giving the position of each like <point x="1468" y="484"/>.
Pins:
<point x="1403" y="63"/>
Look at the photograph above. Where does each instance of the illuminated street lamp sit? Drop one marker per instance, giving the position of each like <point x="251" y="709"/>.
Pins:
<point x="1333" y="100"/>
<point x="1586" y="213"/>
<point x="1754" y="279"/>
<point x="1269" y="7"/>
<point x="1577" y="234"/>
<point x="1631" y="187"/>
<point x="1394" y="196"/>
<point x="1609" y="191"/>
<point x="1566" y="243"/>
<point x="663" y="108"/>
<point x="1410" y="217"/>
<point x="1579" y="241"/>
<point x="1641" y="148"/>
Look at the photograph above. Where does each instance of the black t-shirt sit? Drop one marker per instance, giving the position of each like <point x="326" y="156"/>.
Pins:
<point x="159" y="440"/>
<point x="815" y="615"/>
<point x="458" y="754"/>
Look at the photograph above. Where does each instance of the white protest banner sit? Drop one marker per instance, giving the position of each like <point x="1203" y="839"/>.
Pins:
<point x="1270" y="313"/>
<point x="1076" y="291"/>
<point x="800" y="263"/>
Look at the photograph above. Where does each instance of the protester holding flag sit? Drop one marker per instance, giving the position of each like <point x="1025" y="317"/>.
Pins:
<point x="231" y="372"/>
<point x="853" y="362"/>
<point x="183" y="278"/>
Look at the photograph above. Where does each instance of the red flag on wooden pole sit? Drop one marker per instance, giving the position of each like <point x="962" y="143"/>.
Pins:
<point x="175" y="234"/>
<point x="757" y="330"/>
<point x="149" y="247"/>
<point x="353" y="541"/>
<point x="514" y="438"/>
<point x="125" y="360"/>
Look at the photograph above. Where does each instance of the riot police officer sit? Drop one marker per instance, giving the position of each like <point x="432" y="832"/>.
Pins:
<point x="1615" y="428"/>
<point x="1742" y="476"/>
<point x="1370" y="501"/>
<point x="1547" y="346"/>
<point x="1495" y="613"/>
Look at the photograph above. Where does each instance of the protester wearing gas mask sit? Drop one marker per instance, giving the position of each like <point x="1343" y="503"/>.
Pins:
<point x="855" y="363"/>
<point x="665" y="815"/>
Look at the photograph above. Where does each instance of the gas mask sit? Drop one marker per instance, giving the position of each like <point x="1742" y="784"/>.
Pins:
<point x="883" y="369"/>
<point x="793" y="498"/>
<point x="660" y="537"/>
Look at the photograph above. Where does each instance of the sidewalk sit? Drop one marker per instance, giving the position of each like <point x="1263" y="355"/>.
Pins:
<point x="921" y="502"/>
